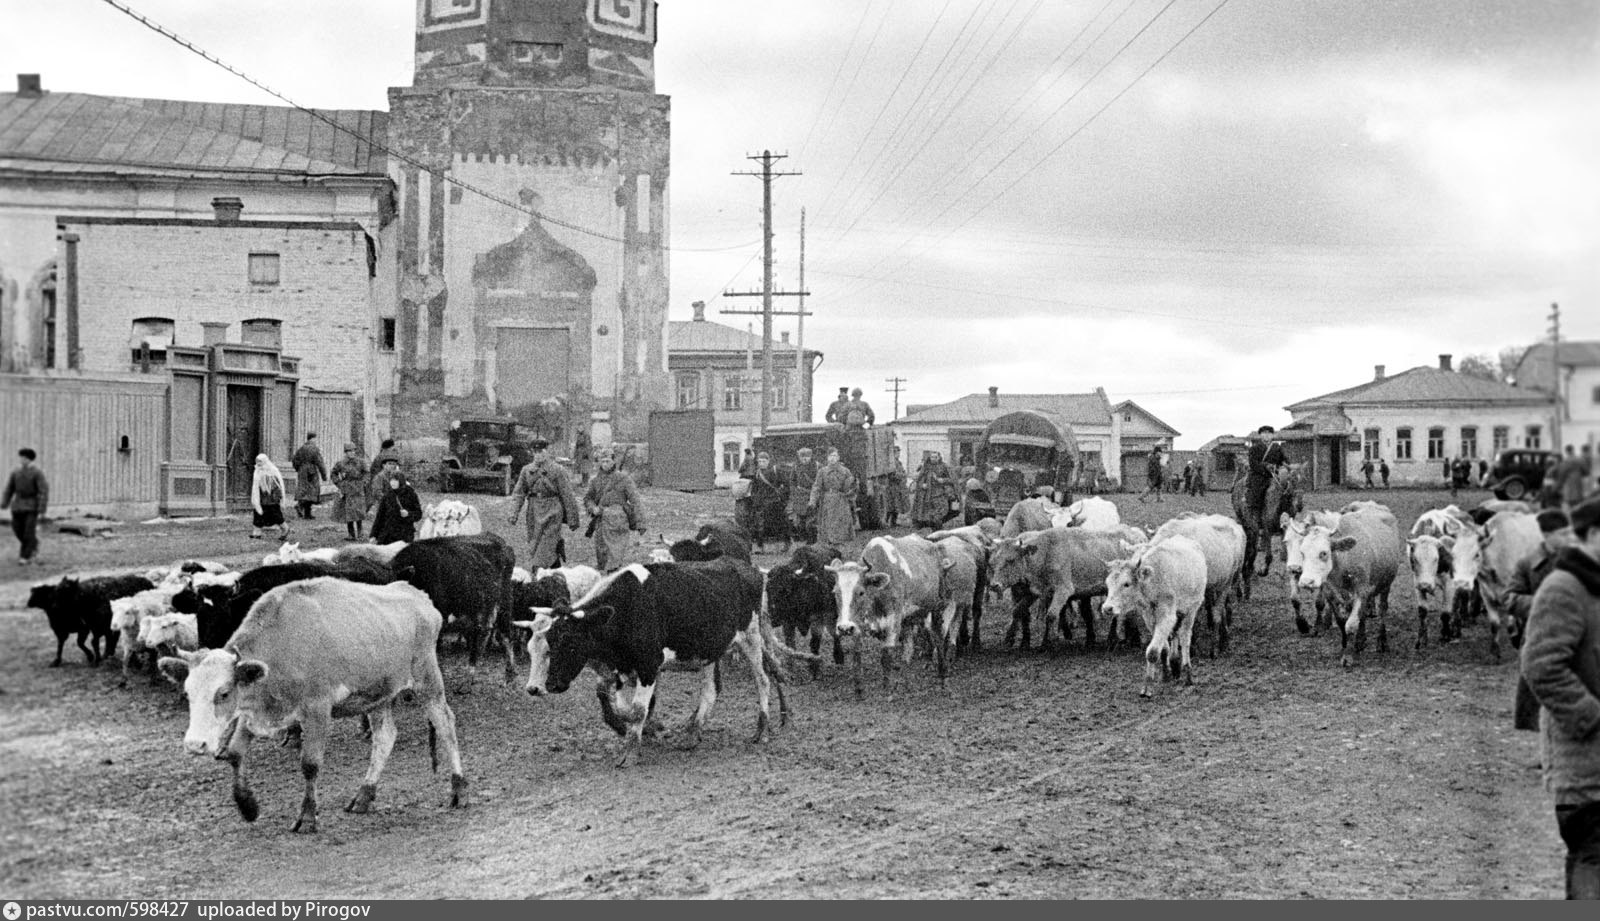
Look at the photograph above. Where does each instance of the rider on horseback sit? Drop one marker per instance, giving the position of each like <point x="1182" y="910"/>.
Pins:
<point x="1264" y="460"/>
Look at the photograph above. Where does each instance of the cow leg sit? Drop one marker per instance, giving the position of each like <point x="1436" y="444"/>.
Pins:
<point x="1185" y="631"/>
<point x="604" y="689"/>
<point x="1447" y="603"/>
<point x="1086" y="612"/>
<point x="1054" y="612"/>
<point x="855" y="659"/>
<point x="1422" y="626"/>
<point x="1492" y="612"/>
<point x="638" y="713"/>
<point x="815" y="664"/>
<point x="383" y="735"/>
<point x="61" y="643"/>
<point x="88" y="654"/>
<point x="789" y="635"/>
<point x="689" y="733"/>
<point x="1351" y="624"/>
<point x="442" y="726"/>
<point x="751" y="642"/>
<point x="1156" y="654"/>
<point x="235" y="747"/>
<point x="1382" y="607"/>
<point x="313" y="741"/>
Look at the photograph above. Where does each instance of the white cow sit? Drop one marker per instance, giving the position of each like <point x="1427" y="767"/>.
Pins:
<point x="1165" y="583"/>
<point x="1487" y="558"/>
<point x="128" y="616"/>
<point x="1223" y="541"/>
<point x="180" y="631"/>
<point x="450" y="518"/>
<point x="1294" y="531"/>
<point x="1092" y="514"/>
<point x="1355" y="565"/>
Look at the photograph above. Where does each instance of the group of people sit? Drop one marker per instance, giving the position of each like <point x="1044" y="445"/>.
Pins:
<point x="1571" y="479"/>
<point x="850" y="410"/>
<point x="809" y="502"/>
<point x="360" y="487"/>
<point x="1191" y="480"/>
<point x="612" y="501"/>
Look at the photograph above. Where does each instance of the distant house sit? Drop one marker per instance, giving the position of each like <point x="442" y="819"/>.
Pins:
<point x="718" y="367"/>
<point x="1418" y="420"/>
<point x="1141" y="433"/>
<point x="955" y="428"/>
<point x="1580" y="386"/>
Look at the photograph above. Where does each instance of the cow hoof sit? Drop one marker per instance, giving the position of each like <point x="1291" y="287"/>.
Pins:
<point x="305" y="825"/>
<point x="1347" y="661"/>
<point x="1303" y="625"/>
<point x="55" y="664"/>
<point x="362" y="803"/>
<point x="249" y="809"/>
<point x="629" y="756"/>
<point x="458" y="792"/>
<point x="1146" y="693"/>
<point x="761" y="730"/>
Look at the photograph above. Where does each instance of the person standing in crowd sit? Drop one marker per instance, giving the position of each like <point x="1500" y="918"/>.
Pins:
<point x="399" y="509"/>
<point x="1366" y="471"/>
<point x="1556" y="530"/>
<point x="800" y="479"/>
<point x="833" y="498"/>
<point x="1188" y="477"/>
<point x="583" y="456"/>
<point x="309" y="472"/>
<point x="375" y="484"/>
<point x="544" y="487"/>
<point x="1152" y="469"/>
<point x="350" y="478"/>
<point x="1166" y="473"/>
<point x="769" y="496"/>
<point x="1383" y="472"/>
<point x="1571" y="478"/>
<point x="614" y="501"/>
<point x="27" y="495"/>
<point x="1483" y="473"/>
<point x="1561" y="662"/>
<point x="894" y="494"/>
<point x="836" y="408"/>
<point x="266" y="498"/>
<point x="935" y="493"/>
<point x="1460" y="475"/>
<point x="856" y="413"/>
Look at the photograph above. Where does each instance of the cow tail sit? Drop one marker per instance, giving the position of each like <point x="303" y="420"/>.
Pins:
<point x="433" y="746"/>
<point x="776" y="657"/>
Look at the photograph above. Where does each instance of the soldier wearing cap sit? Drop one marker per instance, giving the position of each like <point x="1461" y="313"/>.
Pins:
<point x="547" y="491"/>
<point x="613" y="500"/>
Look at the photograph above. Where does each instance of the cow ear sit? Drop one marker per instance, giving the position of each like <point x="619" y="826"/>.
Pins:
<point x="1284" y="521"/>
<point x="876" y="579"/>
<point x="173" y="669"/>
<point x="1412" y="542"/>
<point x="249" y="671"/>
<point x="1342" y="543"/>
<point x="1145" y="572"/>
<point x="1448" y="543"/>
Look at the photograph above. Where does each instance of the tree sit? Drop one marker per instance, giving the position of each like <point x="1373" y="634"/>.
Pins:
<point x="1481" y="365"/>
<point x="1509" y="358"/>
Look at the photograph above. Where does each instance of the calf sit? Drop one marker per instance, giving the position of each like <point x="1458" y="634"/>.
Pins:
<point x="1431" y="565"/>
<point x="178" y="631"/>
<point x="1222" y="540"/>
<point x="468" y="578"/>
<point x="642" y="620"/>
<point x="130" y="615"/>
<point x="1165" y="583"/>
<point x="800" y="600"/>
<point x="83" y="606"/>
<point x="308" y="652"/>
<point x="898" y="579"/>
<point x="1356" y="565"/>
<point x="717" y="538"/>
<point x="580" y="579"/>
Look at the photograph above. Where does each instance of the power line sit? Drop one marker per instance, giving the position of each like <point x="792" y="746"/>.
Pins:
<point x="866" y="8"/>
<point x="439" y="174"/>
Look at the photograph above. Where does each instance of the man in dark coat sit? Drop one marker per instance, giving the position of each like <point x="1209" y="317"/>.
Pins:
<point x="28" y="496"/>
<point x="800" y="478"/>
<point x="310" y="470"/>
<point x="399" y="509"/>
<point x="1264" y="459"/>
<point x="1561" y="660"/>
<point x="836" y="408"/>
<point x="1556" y="529"/>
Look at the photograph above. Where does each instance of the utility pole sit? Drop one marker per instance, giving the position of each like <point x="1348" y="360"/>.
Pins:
<point x="766" y="293"/>
<point x="1555" y="376"/>
<point x="894" y="385"/>
<point x="800" y="330"/>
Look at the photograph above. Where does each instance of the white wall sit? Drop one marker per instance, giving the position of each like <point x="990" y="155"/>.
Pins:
<point x="1420" y="469"/>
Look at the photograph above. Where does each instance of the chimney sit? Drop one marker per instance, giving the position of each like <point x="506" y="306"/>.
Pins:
<point x="1377" y="372"/>
<point x="1444" y="363"/>
<point x="213" y="333"/>
<point x="699" y="311"/>
<point x="227" y="209"/>
<point x="28" y="86"/>
<point x="783" y="337"/>
<point x="994" y="397"/>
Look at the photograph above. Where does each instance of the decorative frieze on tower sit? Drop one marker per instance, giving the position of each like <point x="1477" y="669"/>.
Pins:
<point x="549" y="107"/>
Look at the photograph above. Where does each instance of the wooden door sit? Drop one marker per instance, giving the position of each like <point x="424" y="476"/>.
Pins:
<point x="530" y="365"/>
<point x="244" y="441"/>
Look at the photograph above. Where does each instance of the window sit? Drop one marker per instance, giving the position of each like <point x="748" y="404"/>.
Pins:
<point x="263" y="268"/>
<point x="386" y="331"/>
<point x="780" y="391"/>
<point x="964" y="453"/>
<point x="1469" y="441"/>
<point x="689" y="391"/>
<point x="1436" y="444"/>
<point x="1402" y="444"/>
<point x="154" y="333"/>
<point x="1532" y="436"/>
<point x="262" y="331"/>
<point x="730" y="457"/>
<point x="1371" y="448"/>
<point x="733" y="395"/>
<point x="1502" y="438"/>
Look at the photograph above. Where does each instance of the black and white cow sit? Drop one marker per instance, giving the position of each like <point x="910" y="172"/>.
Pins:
<point x="642" y="620"/>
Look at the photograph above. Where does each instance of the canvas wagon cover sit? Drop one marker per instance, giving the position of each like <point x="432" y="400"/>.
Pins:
<point x="1030" y="427"/>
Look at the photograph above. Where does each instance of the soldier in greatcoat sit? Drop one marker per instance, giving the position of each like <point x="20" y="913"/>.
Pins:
<point x="543" y="486"/>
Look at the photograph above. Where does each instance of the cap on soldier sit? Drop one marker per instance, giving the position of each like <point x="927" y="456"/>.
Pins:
<point x="538" y="444"/>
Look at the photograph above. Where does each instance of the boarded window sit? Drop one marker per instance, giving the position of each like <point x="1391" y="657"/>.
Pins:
<point x="262" y="331"/>
<point x="263" y="268"/>
<point x="150" y="338"/>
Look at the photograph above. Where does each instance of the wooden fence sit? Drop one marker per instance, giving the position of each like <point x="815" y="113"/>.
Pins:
<point x="99" y="440"/>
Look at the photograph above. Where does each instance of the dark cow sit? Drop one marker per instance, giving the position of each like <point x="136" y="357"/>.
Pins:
<point x="83" y="606"/>
<point x="800" y="600"/>
<point x="642" y="620"/>
<point x="309" y="652"/>
<point x="468" y="579"/>
<point x="220" y="608"/>
<point x="541" y="592"/>
<point x="1061" y="565"/>
<point x="723" y="537"/>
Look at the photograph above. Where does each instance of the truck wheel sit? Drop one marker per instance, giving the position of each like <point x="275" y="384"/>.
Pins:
<point x="1515" y="489"/>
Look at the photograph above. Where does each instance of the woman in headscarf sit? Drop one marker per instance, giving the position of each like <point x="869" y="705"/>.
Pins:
<point x="936" y="491"/>
<point x="266" y="498"/>
<point x="769" y="494"/>
<point x="833" y="496"/>
<point x="613" y="500"/>
<point x="399" y="509"/>
<point x="350" y="478"/>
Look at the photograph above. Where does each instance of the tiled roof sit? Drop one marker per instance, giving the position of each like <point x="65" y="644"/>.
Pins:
<point x="66" y="131"/>
<point x="1073" y="408"/>
<point x="1425" y="384"/>
<point x="705" y="336"/>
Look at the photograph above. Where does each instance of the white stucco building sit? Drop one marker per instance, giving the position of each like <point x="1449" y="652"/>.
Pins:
<point x="1580" y="387"/>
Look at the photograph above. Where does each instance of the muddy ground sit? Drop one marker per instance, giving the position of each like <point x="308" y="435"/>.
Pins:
<point x="1278" y="774"/>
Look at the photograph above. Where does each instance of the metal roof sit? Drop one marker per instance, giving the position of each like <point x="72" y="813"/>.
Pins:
<point x="1426" y="384"/>
<point x="706" y="336"/>
<point x="70" y="131"/>
<point x="1073" y="408"/>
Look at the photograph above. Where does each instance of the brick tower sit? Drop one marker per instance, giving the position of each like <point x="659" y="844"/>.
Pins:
<point x="559" y="320"/>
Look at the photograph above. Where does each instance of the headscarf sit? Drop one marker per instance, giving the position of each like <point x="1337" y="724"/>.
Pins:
<point x="266" y="474"/>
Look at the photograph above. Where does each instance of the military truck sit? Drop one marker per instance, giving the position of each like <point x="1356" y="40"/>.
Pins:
<point x="869" y="454"/>
<point x="486" y="453"/>
<point x="1028" y="453"/>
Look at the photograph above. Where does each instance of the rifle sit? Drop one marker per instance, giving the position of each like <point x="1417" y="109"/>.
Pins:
<point x="594" y="522"/>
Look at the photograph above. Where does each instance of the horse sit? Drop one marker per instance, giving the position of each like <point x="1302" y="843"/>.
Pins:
<point x="1283" y="496"/>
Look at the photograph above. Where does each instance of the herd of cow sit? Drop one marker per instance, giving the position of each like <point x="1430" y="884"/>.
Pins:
<point x="282" y="649"/>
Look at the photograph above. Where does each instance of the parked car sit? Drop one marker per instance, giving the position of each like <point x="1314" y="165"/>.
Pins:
<point x="1520" y="472"/>
<point x="486" y="453"/>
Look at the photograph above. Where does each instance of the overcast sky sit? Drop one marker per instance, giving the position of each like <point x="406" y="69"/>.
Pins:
<point x="1006" y="192"/>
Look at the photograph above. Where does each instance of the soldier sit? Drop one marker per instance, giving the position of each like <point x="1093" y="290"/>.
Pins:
<point x="836" y="408"/>
<point x="856" y="413"/>
<point x="543" y="485"/>
<point x="801" y="477"/>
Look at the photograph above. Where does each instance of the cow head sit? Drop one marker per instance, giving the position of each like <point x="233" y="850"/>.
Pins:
<point x="1430" y="559"/>
<point x="1008" y="562"/>
<point x="1318" y="547"/>
<point x="42" y="597"/>
<point x="538" y="648"/>
<point x="1467" y="556"/>
<point x="564" y="638"/>
<point x="1122" y="592"/>
<point x="124" y="614"/>
<point x="214" y="681"/>
<point x="855" y="589"/>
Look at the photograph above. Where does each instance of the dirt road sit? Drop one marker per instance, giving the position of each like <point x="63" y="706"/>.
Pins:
<point x="1277" y="774"/>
